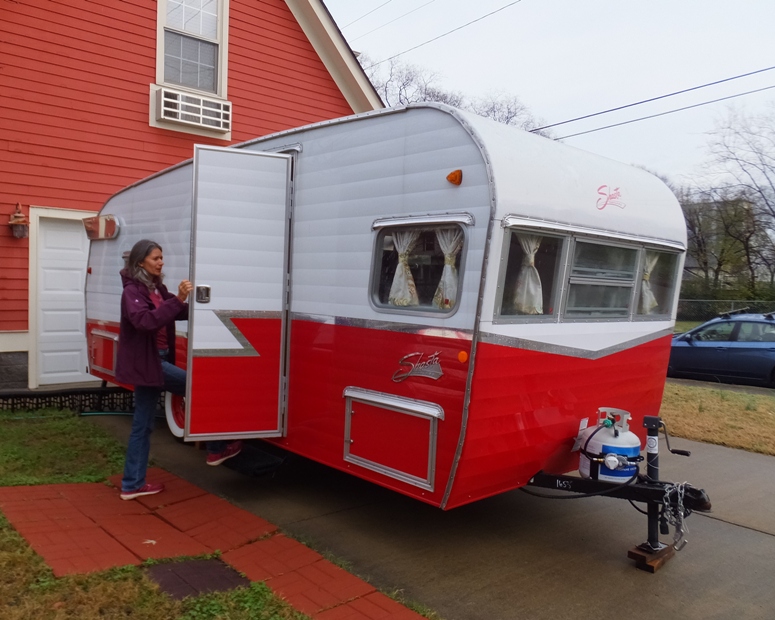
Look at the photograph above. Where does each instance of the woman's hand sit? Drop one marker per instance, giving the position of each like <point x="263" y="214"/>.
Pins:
<point x="184" y="288"/>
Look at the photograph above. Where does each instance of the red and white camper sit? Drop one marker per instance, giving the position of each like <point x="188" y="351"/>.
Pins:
<point x="418" y="296"/>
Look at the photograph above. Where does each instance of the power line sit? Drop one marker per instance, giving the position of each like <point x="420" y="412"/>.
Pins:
<point x="391" y="21"/>
<point x="678" y="92"/>
<point x="643" y="118"/>
<point x="445" y="34"/>
<point x="367" y="14"/>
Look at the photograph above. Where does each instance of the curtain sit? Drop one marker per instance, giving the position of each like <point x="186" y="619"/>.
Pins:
<point x="403" y="292"/>
<point x="450" y="242"/>
<point x="647" y="300"/>
<point x="529" y="297"/>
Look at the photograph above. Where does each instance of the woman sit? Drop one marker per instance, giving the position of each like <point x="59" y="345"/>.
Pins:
<point x="146" y="359"/>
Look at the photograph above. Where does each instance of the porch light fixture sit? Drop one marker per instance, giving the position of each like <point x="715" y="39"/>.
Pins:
<point x="20" y="225"/>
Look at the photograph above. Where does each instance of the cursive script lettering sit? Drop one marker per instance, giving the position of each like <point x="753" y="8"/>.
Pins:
<point x="612" y="197"/>
<point x="413" y="365"/>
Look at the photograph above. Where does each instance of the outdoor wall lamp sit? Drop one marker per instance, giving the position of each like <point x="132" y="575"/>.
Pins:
<point x="20" y="225"/>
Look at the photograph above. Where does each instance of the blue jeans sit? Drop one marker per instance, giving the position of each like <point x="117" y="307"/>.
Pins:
<point x="139" y="447"/>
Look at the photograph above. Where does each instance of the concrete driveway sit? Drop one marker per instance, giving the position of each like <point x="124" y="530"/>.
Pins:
<point x="515" y="556"/>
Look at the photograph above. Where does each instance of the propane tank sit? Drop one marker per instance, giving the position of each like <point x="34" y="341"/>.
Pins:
<point x="609" y="450"/>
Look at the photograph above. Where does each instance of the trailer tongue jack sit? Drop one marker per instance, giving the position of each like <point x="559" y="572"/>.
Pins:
<point x="667" y="504"/>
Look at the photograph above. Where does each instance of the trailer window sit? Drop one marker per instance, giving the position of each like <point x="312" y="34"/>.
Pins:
<point x="418" y="268"/>
<point x="657" y="283"/>
<point x="529" y="286"/>
<point x="601" y="281"/>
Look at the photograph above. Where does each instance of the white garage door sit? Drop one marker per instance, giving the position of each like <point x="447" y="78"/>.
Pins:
<point x="62" y="254"/>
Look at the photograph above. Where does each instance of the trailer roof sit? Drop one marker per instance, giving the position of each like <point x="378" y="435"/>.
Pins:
<point x="547" y="182"/>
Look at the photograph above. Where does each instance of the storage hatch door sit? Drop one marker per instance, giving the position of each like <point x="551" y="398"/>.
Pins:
<point x="238" y="310"/>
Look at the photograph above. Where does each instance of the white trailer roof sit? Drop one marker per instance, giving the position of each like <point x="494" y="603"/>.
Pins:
<point x="541" y="179"/>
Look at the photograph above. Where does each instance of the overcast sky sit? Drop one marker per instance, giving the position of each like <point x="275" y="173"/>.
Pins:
<point x="567" y="58"/>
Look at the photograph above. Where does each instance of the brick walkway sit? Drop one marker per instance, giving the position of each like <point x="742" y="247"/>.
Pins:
<point x="82" y="528"/>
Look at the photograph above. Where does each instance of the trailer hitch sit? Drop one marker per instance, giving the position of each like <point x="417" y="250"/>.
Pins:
<point x="667" y="504"/>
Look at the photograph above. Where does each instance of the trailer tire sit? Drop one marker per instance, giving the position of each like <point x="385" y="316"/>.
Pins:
<point x="175" y="410"/>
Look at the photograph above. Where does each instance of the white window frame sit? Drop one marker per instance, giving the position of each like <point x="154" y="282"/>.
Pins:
<point x="221" y="78"/>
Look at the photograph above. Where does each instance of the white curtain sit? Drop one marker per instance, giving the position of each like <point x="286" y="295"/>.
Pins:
<point x="647" y="300"/>
<point x="450" y="242"/>
<point x="403" y="291"/>
<point x="529" y="296"/>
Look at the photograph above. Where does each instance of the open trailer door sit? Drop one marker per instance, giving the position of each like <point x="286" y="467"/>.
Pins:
<point x="237" y="320"/>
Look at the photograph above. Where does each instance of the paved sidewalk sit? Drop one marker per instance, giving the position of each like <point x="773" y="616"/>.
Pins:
<point x="82" y="528"/>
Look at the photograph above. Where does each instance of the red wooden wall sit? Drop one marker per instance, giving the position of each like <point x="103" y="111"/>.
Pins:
<point x="74" y="78"/>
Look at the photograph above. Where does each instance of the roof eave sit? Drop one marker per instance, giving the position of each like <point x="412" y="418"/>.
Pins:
<point x="336" y="54"/>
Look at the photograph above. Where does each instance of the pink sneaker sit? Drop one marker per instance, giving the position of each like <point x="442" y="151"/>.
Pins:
<point x="148" y="489"/>
<point x="233" y="449"/>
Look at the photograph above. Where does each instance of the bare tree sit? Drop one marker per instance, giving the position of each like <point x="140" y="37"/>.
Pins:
<point x="400" y="83"/>
<point x="744" y="147"/>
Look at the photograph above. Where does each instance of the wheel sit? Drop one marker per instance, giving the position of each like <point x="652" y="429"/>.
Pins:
<point x="175" y="410"/>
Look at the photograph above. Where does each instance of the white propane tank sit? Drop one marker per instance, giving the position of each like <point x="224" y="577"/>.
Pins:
<point x="609" y="450"/>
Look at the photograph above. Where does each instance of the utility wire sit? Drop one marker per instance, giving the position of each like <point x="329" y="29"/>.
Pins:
<point x="678" y="92"/>
<point x="367" y="14"/>
<point x="643" y="118"/>
<point x="391" y="21"/>
<point x="473" y="21"/>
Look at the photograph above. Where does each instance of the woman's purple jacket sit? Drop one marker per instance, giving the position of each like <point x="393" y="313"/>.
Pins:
<point x="138" y="361"/>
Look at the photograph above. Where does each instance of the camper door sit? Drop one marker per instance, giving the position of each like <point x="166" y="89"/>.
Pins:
<point x="239" y="266"/>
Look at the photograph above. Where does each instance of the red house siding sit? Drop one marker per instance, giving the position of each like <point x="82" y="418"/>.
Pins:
<point x="74" y="126"/>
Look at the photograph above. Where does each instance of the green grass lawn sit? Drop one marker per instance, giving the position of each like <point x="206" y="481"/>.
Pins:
<point x="45" y="447"/>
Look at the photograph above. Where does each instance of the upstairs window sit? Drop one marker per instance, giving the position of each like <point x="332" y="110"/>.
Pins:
<point x="419" y="268"/>
<point x="191" y="65"/>
<point x="191" y="44"/>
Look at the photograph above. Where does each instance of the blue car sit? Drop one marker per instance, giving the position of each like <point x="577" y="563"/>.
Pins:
<point x="733" y="348"/>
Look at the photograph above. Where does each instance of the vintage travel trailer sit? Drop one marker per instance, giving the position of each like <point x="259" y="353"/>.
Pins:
<point x="421" y="297"/>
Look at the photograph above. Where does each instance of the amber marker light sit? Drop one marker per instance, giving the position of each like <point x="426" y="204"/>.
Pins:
<point x="462" y="357"/>
<point x="455" y="177"/>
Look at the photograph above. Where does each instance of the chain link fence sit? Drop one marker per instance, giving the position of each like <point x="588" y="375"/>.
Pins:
<point x="706" y="309"/>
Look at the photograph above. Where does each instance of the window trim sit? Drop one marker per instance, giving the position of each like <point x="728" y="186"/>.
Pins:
<point x="223" y="50"/>
<point x="222" y="76"/>
<point x="384" y="225"/>
<point x="559" y="294"/>
<point x="570" y="279"/>
<point x="570" y="236"/>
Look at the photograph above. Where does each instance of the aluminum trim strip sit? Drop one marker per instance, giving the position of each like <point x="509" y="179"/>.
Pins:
<point x="407" y="328"/>
<point x="543" y="347"/>
<point x="226" y="316"/>
<point x="389" y="471"/>
<point x="465" y="219"/>
<point x="412" y="406"/>
<point x="515" y="221"/>
<point x="104" y="334"/>
<point x="480" y="302"/>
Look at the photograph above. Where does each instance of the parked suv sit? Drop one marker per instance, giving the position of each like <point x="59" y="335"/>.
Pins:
<point x="732" y="348"/>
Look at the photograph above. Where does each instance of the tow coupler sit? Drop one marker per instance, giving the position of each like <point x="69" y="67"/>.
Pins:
<point x="667" y="503"/>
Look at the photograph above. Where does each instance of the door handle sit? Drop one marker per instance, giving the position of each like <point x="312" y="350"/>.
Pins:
<point x="203" y="294"/>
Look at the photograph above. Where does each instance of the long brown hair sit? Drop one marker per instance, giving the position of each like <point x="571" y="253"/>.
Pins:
<point x="139" y="253"/>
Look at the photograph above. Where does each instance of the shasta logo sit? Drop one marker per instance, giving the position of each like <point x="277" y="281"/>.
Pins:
<point x="413" y="365"/>
<point x="608" y="197"/>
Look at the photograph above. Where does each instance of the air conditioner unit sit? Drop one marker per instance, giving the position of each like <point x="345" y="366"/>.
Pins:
<point x="193" y="110"/>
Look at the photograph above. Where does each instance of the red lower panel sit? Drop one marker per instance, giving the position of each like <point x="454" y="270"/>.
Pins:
<point x="373" y="429"/>
<point x="526" y="407"/>
<point x="325" y="359"/>
<point x="238" y="394"/>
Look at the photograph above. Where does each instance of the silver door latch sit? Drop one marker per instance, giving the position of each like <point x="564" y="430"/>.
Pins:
<point x="203" y="294"/>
